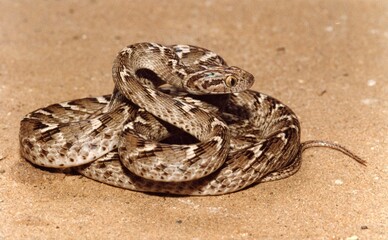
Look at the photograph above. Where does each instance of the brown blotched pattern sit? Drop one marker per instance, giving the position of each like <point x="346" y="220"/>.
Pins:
<point x="152" y="138"/>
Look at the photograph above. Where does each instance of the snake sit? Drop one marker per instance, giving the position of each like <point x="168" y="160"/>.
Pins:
<point x="180" y="121"/>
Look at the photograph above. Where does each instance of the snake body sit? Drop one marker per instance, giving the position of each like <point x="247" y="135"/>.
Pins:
<point x="133" y="138"/>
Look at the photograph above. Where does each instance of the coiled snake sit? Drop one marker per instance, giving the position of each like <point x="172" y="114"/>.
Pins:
<point x="204" y="134"/>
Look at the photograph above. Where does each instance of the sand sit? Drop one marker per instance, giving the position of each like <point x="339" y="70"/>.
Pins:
<point x="327" y="60"/>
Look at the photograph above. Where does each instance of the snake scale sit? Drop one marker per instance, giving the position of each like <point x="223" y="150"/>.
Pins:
<point x="179" y="121"/>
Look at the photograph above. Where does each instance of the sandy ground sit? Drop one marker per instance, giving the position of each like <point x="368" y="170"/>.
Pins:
<point x="327" y="60"/>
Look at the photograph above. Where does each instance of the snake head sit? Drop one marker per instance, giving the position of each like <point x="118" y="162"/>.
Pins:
<point x="219" y="80"/>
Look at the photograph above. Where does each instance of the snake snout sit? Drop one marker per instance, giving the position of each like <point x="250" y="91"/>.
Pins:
<point x="244" y="81"/>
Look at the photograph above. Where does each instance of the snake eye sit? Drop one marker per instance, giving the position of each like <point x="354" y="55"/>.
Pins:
<point x="230" y="81"/>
